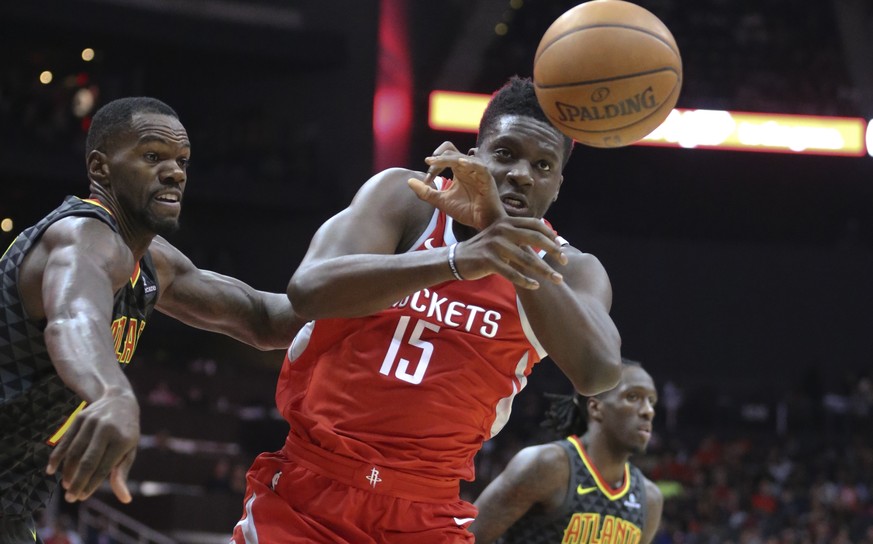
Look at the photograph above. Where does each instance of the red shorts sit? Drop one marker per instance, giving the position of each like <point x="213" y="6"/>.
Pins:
<point x="304" y="495"/>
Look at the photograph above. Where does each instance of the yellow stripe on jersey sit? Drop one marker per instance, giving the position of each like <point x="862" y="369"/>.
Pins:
<point x="8" y="248"/>
<point x="53" y="439"/>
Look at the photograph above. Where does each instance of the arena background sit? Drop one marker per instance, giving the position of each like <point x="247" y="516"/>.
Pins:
<point x="742" y="279"/>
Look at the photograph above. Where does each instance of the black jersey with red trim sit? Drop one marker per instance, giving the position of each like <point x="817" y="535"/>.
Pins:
<point x="592" y="511"/>
<point x="35" y="405"/>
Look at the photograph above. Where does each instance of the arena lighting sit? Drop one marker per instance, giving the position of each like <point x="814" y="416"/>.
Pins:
<point x="763" y="132"/>
<point x="870" y="138"/>
<point x="456" y="111"/>
<point x="703" y="129"/>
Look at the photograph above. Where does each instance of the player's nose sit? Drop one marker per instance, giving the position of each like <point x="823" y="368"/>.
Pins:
<point x="521" y="174"/>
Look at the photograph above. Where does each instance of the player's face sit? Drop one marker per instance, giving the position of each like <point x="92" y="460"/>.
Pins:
<point x="525" y="156"/>
<point x="628" y="410"/>
<point x="148" y="170"/>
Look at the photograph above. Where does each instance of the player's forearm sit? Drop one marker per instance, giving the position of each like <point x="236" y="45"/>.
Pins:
<point x="82" y="354"/>
<point x="578" y="335"/>
<point x="280" y="322"/>
<point x="357" y="285"/>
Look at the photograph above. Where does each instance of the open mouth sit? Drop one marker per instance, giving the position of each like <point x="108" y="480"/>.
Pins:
<point x="514" y="205"/>
<point x="173" y="199"/>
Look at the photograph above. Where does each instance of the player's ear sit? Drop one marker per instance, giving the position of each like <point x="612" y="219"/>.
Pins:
<point x="593" y="406"/>
<point x="98" y="167"/>
<point x="472" y="151"/>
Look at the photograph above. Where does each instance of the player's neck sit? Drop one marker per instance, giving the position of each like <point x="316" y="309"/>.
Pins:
<point x="137" y="241"/>
<point x="609" y="463"/>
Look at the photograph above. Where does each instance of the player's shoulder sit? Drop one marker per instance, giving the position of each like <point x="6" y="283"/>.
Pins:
<point x="653" y="492"/>
<point x="543" y="467"/>
<point x="390" y="188"/>
<point x="541" y="457"/>
<point x="85" y="240"/>
<point x="583" y="261"/>
<point x="83" y="230"/>
<point x="388" y="194"/>
<point x="394" y="176"/>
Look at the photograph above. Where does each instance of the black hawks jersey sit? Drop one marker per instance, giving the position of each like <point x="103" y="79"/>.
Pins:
<point x="35" y="405"/>
<point x="592" y="512"/>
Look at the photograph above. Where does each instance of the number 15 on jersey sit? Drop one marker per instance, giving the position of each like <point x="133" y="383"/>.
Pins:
<point x="402" y="371"/>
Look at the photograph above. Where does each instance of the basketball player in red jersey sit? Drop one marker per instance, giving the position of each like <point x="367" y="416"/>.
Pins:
<point x="76" y="291"/>
<point x="425" y="323"/>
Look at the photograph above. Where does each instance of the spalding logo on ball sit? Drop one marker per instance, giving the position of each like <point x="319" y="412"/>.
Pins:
<point x="607" y="73"/>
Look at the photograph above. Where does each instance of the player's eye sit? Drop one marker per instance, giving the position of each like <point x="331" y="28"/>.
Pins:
<point x="151" y="156"/>
<point x="184" y="162"/>
<point x="545" y="166"/>
<point x="502" y="153"/>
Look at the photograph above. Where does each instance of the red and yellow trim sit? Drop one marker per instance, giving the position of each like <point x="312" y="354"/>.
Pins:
<point x="611" y="494"/>
<point x="97" y="203"/>
<point x="136" y="274"/>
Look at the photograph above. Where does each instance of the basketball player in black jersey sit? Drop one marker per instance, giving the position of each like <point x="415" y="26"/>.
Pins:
<point x="76" y="291"/>
<point x="581" y="489"/>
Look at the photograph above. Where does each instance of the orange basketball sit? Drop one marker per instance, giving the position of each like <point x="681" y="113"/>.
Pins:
<point x="607" y="73"/>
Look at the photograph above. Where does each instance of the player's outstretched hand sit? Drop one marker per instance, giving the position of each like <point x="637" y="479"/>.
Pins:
<point x="472" y="199"/>
<point x="505" y="248"/>
<point x="101" y="442"/>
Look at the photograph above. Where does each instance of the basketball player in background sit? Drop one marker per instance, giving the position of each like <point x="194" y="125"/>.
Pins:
<point x="425" y="324"/>
<point x="581" y="488"/>
<point x="76" y="292"/>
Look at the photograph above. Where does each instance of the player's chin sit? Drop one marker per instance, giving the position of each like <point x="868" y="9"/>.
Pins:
<point x="641" y="441"/>
<point x="165" y="226"/>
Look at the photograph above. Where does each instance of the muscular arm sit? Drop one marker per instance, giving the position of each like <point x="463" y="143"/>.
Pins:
<point x="214" y="302"/>
<point x="536" y="478"/>
<point x="351" y="268"/>
<point x="654" y="507"/>
<point x="571" y="320"/>
<point x="69" y="279"/>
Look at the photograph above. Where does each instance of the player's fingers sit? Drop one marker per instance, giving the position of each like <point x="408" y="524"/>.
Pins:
<point x="89" y="469"/>
<point x="509" y="272"/>
<point x="445" y="147"/>
<point x="79" y="440"/>
<point x="93" y="464"/>
<point x="421" y="189"/>
<point x="108" y="467"/>
<point x="527" y="262"/>
<point x="533" y="233"/>
<point x="119" y="488"/>
<point x="96" y="478"/>
<point x="118" y="478"/>
<point x="441" y="162"/>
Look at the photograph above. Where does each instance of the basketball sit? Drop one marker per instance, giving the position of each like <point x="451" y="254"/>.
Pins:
<point x="607" y="73"/>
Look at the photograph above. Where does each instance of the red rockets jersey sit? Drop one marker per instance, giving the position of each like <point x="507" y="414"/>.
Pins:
<point x="418" y="386"/>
